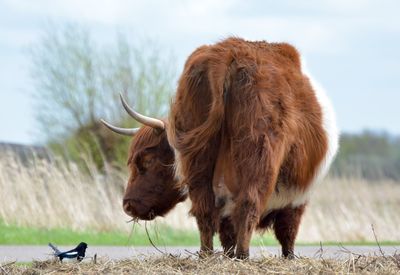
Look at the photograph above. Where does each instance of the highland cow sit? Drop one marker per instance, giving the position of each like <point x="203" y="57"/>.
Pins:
<point x="247" y="138"/>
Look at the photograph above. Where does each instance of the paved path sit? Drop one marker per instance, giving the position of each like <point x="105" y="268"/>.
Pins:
<point x="25" y="253"/>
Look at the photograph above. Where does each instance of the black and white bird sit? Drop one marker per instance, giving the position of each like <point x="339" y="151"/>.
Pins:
<point x="76" y="253"/>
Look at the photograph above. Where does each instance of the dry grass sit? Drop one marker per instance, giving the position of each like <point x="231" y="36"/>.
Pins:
<point x="59" y="195"/>
<point x="344" y="209"/>
<point x="354" y="264"/>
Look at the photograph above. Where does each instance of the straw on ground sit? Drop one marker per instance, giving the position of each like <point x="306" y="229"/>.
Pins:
<point x="354" y="264"/>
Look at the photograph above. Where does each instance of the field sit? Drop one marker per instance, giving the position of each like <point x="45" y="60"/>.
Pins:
<point x="216" y="265"/>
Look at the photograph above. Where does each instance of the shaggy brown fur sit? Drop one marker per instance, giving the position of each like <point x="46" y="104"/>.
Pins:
<point x="247" y="105"/>
<point x="245" y="126"/>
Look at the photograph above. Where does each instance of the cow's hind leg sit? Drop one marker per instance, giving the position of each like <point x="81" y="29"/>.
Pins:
<point x="256" y="177"/>
<point x="257" y="163"/>
<point x="286" y="226"/>
<point x="257" y="147"/>
<point x="227" y="236"/>
<point x="246" y="216"/>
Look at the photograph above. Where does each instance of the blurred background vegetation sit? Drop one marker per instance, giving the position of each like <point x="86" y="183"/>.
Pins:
<point x="77" y="81"/>
<point x="369" y="155"/>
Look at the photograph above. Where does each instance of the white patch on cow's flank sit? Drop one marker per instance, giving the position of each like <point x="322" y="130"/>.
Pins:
<point x="284" y="197"/>
<point x="278" y="200"/>
<point x="329" y="124"/>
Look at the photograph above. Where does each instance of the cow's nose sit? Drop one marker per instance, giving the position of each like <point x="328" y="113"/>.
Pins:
<point x="133" y="206"/>
<point x="128" y="205"/>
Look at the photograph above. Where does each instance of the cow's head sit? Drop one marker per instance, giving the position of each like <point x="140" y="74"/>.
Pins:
<point x="152" y="189"/>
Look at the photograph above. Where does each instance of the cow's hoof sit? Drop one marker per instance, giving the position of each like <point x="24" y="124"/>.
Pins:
<point x="205" y="253"/>
<point x="289" y="256"/>
<point x="230" y="253"/>
<point x="242" y="255"/>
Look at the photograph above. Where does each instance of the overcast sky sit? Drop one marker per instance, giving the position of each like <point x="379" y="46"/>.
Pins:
<point x="351" y="47"/>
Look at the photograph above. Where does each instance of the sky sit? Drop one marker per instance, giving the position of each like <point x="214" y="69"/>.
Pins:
<point x="352" y="47"/>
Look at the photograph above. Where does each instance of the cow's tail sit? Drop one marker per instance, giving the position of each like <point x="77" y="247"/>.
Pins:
<point x="219" y="77"/>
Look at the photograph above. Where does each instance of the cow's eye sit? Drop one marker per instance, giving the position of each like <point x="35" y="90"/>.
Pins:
<point x="141" y="170"/>
<point x="147" y="162"/>
<point x="139" y="165"/>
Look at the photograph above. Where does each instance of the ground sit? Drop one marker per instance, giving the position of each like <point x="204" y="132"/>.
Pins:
<point x="179" y="260"/>
<point x="27" y="253"/>
<point x="217" y="264"/>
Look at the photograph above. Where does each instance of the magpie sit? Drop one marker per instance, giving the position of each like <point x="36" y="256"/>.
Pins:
<point x="76" y="253"/>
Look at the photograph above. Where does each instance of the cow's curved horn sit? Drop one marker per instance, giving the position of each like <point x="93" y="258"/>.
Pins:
<point x="123" y="131"/>
<point x="149" y="121"/>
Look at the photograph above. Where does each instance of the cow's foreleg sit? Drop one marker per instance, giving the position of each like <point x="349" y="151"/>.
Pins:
<point x="286" y="226"/>
<point x="200" y="175"/>
<point x="203" y="210"/>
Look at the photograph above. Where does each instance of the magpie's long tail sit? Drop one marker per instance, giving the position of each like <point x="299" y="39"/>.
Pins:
<point x="56" y="251"/>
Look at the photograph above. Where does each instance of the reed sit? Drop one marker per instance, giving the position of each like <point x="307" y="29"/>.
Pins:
<point x="58" y="194"/>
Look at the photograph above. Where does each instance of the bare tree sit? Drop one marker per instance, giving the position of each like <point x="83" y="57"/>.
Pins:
<point x="77" y="81"/>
